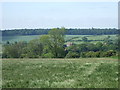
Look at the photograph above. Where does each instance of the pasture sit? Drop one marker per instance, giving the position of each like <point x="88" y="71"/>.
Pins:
<point x="60" y="73"/>
<point x="69" y="38"/>
<point x="26" y="38"/>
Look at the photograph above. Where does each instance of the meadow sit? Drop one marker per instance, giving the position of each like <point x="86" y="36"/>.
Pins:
<point x="69" y="38"/>
<point x="26" y="38"/>
<point x="60" y="73"/>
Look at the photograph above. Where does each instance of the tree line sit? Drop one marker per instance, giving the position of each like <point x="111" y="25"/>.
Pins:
<point x="52" y="45"/>
<point x="91" y="31"/>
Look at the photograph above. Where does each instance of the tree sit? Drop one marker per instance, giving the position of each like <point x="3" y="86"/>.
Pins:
<point x="57" y="41"/>
<point x="99" y="46"/>
<point x="7" y="42"/>
<point x="92" y="31"/>
<point x="47" y="46"/>
<point x="83" y="47"/>
<point x="47" y="55"/>
<point x="92" y="47"/>
<point x="89" y="54"/>
<point x="73" y="48"/>
<point x="72" y="55"/>
<point x="13" y="50"/>
<point x="34" y="49"/>
<point x="107" y="40"/>
<point x="53" y="43"/>
<point x="85" y="39"/>
<point x="108" y="53"/>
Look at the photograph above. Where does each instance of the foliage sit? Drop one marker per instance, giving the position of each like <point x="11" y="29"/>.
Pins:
<point x="44" y="47"/>
<point x="53" y="45"/>
<point x="72" y="55"/>
<point x="13" y="50"/>
<point x="48" y="55"/>
<point x="34" y="49"/>
<point x="92" y="54"/>
<point x="92" y="31"/>
<point x="57" y="41"/>
<point x="85" y="39"/>
<point x="109" y="53"/>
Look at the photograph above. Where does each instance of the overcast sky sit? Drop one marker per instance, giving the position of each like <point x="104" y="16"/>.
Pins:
<point x="57" y="14"/>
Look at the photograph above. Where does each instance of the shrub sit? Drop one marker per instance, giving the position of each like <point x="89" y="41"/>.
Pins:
<point x="108" y="53"/>
<point x="48" y="55"/>
<point x="89" y="54"/>
<point x="72" y="55"/>
<point x="92" y="54"/>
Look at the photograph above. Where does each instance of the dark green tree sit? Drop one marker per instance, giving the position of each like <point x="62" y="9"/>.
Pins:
<point x="34" y="49"/>
<point x="85" y="39"/>
<point x="57" y="41"/>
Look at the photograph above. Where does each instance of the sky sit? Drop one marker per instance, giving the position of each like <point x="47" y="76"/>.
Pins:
<point x="20" y="15"/>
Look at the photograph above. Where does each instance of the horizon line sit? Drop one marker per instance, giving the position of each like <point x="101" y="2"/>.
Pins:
<point x="61" y="27"/>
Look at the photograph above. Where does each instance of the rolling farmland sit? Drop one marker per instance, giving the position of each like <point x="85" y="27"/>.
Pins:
<point x="69" y="38"/>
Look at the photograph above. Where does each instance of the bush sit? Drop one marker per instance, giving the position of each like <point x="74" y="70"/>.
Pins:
<point x="97" y="54"/>
<point x="92" y="54"/>
<point x="48" y="55"/>
<point x="13" y="50"/>
<point x="82" y="54"/>
<point x="72" y="55"/>
<point x="89" y="54"/>
<point x="108" y="53"/>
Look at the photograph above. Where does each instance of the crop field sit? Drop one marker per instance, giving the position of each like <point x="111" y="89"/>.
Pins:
<point x="92" y="38"/>
<point x="19" y="38"/>
<point x="60" y="73"/>
<point x="68" y="38"/>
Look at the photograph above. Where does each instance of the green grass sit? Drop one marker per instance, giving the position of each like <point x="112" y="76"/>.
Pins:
<point x="60" y="73"/>
<point x="19" y="38"/>
<point x="69" y="38"/>
<point x="94" y="38"/>
<point x="101" y="37"/>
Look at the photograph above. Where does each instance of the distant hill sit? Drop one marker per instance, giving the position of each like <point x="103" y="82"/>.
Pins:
<point x="92" y="31"/>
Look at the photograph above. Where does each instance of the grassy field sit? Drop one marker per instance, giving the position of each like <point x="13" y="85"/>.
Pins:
<point x="19" y="38"/>
<point x="60" y="73"/>
<point x="69" y="38"/>
<point x="93" y="38"/>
